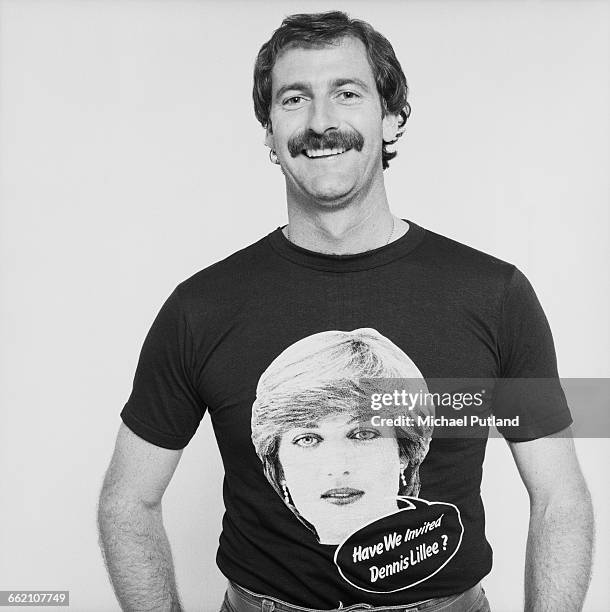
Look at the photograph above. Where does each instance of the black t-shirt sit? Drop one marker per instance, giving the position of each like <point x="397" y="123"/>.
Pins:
<point x="275" y="342"/>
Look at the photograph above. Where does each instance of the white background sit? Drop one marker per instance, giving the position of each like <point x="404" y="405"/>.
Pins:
<point x="131" y="158"/>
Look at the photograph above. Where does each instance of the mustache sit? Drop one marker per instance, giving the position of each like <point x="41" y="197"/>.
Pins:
<point x="336" y="139"/>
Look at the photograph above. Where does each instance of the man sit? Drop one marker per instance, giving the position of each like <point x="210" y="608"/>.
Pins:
<point x="332" y="96"/>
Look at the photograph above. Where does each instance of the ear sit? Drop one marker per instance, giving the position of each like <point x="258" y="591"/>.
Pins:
<point x="269" y="136"/>
<point x="393" y="131"/>
<point x="390" y="124"/>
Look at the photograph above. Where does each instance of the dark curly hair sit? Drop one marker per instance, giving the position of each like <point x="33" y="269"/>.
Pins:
<point x="319" y="29"/>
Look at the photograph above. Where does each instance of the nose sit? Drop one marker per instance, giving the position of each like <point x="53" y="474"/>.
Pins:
<point x="322" y="116"/>
<point x="339" y="465"/>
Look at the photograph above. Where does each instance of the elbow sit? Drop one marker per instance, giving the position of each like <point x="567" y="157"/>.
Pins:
<point x="571" y="500"/>
<point x="576" y="505"/>
<point x="112" y="505"/>
<point x="116" y="507"/>
<point x="578" y="497"/>
<point x="108" y="506"/>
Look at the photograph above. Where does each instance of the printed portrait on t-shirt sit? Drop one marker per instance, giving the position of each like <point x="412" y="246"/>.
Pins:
<point x="311" y="428"/>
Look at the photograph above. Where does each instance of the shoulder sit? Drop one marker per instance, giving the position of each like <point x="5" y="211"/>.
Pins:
<point x="221" y="288"/>
<point x="234" y="271"/>
<point x="462" y="266"/>
<point x="460" y="256"/>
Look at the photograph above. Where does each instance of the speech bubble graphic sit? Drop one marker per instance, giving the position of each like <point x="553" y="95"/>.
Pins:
<point x="402" y="549"/>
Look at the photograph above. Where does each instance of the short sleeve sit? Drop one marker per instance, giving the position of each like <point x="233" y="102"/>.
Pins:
<point x="164" y="407"/>
<point x="529" y="386"/>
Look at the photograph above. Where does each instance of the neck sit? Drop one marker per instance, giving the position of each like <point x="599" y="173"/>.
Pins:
<point x="342" y="227"/>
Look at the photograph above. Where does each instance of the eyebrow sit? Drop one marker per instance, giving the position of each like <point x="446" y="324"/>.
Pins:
<point x="315" y="424"/>
<point x="301" y="86"/>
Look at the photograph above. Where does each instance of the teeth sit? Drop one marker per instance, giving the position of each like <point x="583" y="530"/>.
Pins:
<point x="323" y="152"/>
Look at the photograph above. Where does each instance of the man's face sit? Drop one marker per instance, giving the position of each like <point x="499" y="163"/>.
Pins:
<point x="326" y="121"/>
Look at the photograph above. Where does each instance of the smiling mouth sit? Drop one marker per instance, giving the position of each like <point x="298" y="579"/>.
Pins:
<point x="342" y="496"/>
<point x="323" y="153"/>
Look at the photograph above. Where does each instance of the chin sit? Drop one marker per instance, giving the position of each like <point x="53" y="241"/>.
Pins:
<point x="326" y="185"/>
<point x="331" y="194"/>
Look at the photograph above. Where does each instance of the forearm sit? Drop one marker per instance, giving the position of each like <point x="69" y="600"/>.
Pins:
<point x="138" y="557"/>
<point x="558" y="556"/>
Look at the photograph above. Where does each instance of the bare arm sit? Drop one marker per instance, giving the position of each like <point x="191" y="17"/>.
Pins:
<point x="560" y="538"/>
<point x="132" y="537"/>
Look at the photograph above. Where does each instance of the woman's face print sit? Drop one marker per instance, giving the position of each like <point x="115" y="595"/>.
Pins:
<point x="341" y="473"/>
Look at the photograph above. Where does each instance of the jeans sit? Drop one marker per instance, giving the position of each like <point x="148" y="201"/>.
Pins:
<point x="239" y="599"/>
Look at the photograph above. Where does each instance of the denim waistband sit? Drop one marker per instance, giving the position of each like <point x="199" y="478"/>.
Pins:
<point x="244" y="600"/>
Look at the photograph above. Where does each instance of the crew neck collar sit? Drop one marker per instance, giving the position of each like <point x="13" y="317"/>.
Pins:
<point x="347" y="263"/>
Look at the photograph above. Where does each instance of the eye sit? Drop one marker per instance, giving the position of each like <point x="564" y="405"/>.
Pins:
<point x="307" y="440"/>
<point x="348" y="96"/>
<point x="293" y="101"/>
<point x="365" y="434"/>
